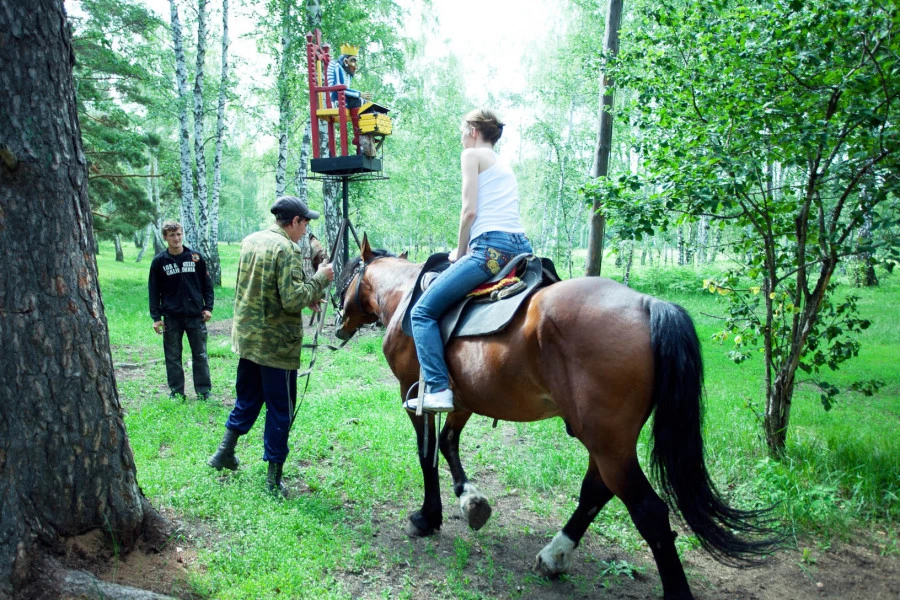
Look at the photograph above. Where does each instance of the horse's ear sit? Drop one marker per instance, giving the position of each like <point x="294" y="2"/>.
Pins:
<point x="365" y="250"/>
<point x="404" y="255"/>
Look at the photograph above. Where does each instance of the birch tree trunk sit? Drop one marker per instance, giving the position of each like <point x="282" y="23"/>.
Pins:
<point x="331" y="190"/>
<point x="628" y="247"/>
<point x="66" y="466"/>
<point x="188" y="222"/>
<point x="302" y="189"/>
<point x="604" y="140"/>
<point x="864" y="265"/>
<point x="300" y="183"/>
<point x="202" y="241"/>
<point x="159" y="244"/>
<point x="117" y="241"/>
<point x="213" y="262"/>
<point x="285" y="116"/>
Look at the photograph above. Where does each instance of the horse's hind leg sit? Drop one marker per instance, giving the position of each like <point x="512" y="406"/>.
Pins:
<point x="651" y="517"/>
<point x="473" y="504"/>
<point x="428" y="519"/>
<point x="556" y="557"/>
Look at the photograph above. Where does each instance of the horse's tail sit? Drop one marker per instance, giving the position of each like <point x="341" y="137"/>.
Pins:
<point x="732" y="536"/>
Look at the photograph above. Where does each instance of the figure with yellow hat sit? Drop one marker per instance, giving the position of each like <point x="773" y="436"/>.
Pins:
<point x="341" y="72"/>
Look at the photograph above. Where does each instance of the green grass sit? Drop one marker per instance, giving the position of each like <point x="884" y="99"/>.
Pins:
<point x="353" y="447"/>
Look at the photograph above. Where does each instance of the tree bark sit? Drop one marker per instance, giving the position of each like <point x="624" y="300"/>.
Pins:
<point x="331" y="190"/>
<point x="120" y="255"/>
<point x="600" y="167"/>
<point x="66" y="466"/>
<point x="300" y="183"/>
<point x="285" y="113"/>
<point x="202" y="240"/>
<point x="629" y="261"/>
<point x="188" y="222"/>
<point x="864" y="265"/>
<point x="213" y="262"/>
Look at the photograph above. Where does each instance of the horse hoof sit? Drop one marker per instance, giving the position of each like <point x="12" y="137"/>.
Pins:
<point x="556" y="557"/>
<point x="477" y="511"/>
<point x="413" y="531"/>
<point x="418" y="526"/>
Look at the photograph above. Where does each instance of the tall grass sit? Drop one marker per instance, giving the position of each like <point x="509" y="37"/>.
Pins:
<point x="353" y="472"/>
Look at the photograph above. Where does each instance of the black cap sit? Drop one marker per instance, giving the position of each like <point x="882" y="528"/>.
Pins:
<point x="288" y="207"/>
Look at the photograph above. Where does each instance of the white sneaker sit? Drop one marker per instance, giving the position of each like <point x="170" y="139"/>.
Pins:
<point x="433" y="402"/>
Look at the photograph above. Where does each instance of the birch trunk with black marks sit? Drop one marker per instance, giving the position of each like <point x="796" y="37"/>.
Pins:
<point x="66" y="466"/>
<point x="285" y="112"/>
<point x="117" y="241"/>
<point x="300" y="182"/>
<point x="188" y="222"/>
<point x="202" y="241"/>
<point x="213" y="262"/>
<point x="331" y="190"/>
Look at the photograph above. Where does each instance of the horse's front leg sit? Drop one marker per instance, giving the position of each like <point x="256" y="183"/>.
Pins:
<point x="473" y="504"/>
<point x="428" y="519"/>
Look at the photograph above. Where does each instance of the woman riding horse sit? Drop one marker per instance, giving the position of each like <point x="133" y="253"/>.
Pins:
<point x="602" y="357"/>
<point x="490" y="235"/>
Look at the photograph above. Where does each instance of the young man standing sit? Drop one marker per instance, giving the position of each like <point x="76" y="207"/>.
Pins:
<point x="181" y="302"/>
<point x="271" y="291"/>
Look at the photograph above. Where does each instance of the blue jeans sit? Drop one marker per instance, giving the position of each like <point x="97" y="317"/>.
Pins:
<point x="488" y="254"/>
<point x="277" y="389"/>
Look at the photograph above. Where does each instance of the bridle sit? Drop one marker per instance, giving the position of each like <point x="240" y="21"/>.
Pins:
<point x="357" y="276"/>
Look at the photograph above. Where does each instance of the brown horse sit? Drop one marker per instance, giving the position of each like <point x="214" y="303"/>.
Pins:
<point x="601" y="356"/>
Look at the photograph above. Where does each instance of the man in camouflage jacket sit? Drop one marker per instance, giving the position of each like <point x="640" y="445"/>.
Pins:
<point x="271" y="291"/>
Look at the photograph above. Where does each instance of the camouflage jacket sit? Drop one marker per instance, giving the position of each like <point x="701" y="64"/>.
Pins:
<point x="271" y="291"/>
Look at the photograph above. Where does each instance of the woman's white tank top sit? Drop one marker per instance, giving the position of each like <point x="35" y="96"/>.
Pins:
<point x="498" y="201"/>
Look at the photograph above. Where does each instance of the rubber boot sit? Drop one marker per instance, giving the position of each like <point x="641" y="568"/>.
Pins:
<point x="273" y="480"/>
<point x="224" y="457"/>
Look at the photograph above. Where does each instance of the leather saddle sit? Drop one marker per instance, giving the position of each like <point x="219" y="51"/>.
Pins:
<point x="477" y="315"/>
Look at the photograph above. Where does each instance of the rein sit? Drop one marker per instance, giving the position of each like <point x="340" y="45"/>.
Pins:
<point x="320" y="316"/>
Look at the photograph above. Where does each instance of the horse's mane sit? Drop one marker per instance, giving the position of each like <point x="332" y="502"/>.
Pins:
<point x="353" y="266"/>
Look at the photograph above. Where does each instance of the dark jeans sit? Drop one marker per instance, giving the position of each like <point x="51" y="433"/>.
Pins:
<point x="277" y="389"/>
<point x="173" y="334"/>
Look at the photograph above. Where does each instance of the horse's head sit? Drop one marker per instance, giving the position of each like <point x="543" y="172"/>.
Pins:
<point x="357" y="297"/>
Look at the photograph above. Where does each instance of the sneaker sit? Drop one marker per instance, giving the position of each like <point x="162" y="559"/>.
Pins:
<point x="433" y="402"/>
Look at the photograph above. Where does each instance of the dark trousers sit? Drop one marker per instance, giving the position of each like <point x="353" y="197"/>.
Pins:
<point x="173" y="334"/>
<point x="277" y="389"/>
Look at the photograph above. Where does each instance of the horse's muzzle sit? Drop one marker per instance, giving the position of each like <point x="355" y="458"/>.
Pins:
<point x="343" y="334"/>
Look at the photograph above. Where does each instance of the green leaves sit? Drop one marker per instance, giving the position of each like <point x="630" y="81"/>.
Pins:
<point x="775" y="119"/>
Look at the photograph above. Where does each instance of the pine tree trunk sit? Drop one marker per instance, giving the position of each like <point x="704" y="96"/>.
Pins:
<point x="188" y="222"/>
<point x="213" y="262"/>
<point x="66" y="466"/>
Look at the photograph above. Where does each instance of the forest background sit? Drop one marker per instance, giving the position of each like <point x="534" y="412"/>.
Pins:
<point x="135" y="109"/>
